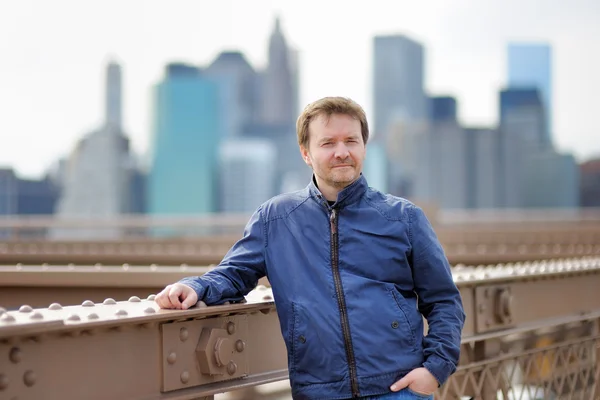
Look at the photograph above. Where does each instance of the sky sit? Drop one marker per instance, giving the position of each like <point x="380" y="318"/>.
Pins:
<point x="53" y="55"/>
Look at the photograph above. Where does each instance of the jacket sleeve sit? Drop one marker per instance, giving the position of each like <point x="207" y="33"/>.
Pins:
<point x="239" y="271"/>
<point x="439" y="298"/>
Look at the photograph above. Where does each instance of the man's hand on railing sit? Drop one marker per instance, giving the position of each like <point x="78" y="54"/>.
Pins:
<point x="177" y="296"/>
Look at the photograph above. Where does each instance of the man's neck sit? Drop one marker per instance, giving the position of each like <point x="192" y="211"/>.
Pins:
<point x="330" y="193"/>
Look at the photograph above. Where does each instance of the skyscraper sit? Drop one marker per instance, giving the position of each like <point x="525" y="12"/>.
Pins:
<point x="530" y="66"/>
<point x="187" y="128"/>
<point x="247" y="172"/>
<point x="240" y="90"/>
<point x="400" y="107"/>
<point x="280" y="91"/>
<point x="398" y="83"/>
<point x="98" y="171"/>
<point x="522" y="112"/>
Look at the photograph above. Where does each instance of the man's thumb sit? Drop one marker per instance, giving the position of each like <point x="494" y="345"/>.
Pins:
<point x="189" y="301"/>
<point x="401" y="384"/>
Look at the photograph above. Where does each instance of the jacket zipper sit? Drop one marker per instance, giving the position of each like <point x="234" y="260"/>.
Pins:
<point x="333" y="220"/>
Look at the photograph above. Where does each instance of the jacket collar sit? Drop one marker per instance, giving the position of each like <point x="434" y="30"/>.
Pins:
<point x="348" y="195"/>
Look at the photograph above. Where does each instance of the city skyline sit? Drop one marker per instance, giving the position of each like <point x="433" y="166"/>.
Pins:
<point x="52" y="95"/>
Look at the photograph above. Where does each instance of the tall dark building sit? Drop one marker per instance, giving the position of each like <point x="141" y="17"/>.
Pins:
<point x="522" y="109"/>
<point x="26" y="196"/>
<point x="280" y="87"/>
<point x="442" y="109"/>
<point x="240" y="90"/>
<point x="590" y="183"/>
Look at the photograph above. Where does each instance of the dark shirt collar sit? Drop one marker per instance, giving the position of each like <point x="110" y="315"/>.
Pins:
<point x="348" y="195"/>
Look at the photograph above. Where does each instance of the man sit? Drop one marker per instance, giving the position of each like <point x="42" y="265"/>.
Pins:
<point x="352" y="270"/>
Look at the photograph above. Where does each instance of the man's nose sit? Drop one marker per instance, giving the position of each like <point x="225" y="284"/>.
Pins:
<point x="341" y="151"/>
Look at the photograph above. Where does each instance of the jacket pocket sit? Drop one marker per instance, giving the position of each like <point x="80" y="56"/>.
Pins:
<point x="403" y="311"/>
<point x="313" y="357"/>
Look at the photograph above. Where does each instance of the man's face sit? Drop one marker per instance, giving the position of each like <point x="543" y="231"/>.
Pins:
<point x="336" y="149"/>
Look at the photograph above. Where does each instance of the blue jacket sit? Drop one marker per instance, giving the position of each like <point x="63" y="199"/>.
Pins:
<point x="351" y="283"/>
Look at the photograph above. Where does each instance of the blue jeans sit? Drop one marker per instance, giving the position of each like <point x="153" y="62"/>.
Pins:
<point x="404" y="394"/>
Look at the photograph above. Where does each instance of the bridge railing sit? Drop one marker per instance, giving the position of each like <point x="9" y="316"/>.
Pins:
<point x="532" y="331"/>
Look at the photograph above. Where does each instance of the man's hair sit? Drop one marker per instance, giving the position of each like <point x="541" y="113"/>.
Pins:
<point x="328" y="106"/>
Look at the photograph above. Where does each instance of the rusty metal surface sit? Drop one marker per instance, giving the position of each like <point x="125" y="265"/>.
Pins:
<point x="40" y="285"/>
<point x="472" y="247"/>
<point x="566" y="367"/>
<point x="544" y="337"/>
<point x="113" y="349"/>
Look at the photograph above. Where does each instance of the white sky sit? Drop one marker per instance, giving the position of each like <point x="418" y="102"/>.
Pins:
<point x="53" y="54"/>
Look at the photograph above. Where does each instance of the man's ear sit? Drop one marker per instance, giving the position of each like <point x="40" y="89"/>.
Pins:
<point x="305" y="155"/>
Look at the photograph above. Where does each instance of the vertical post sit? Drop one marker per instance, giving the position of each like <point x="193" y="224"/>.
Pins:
<point x="485" y="350"/>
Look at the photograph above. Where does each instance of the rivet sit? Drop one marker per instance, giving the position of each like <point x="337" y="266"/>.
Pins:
<point x="55" y="307"/>
<point x="134" y="299"/>
<point x="172" y="358"/>
<point x="240" y="346"/>
<point x="15" y="355"/>
<point x="152" y="297"/>
<point x="185" y="377"/>
<point x="149" y="310"/>
<point x="302" y="339"/>
<point x="231" y="368"/>
<point x="230" y="328"/>
<point x="3" y="382"/>
<point x="395" y="324"/>
<point x="93" y="316"/>
<point x="25" y="309"/>
<point x="8" y="318"/>
<point x="29" y="378"/>
<point x="183" y="334"/>
<point x="36" y="315"/>
<point x="74" y="317"/>
<point x="121" y="313"/>
<point x="109" y="302"/>
<point x="88" y="303"/>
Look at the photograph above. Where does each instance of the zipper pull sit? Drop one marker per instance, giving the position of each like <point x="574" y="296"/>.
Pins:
<point x="332" y="220"/>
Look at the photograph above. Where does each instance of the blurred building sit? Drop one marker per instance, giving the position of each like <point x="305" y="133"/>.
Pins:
<point x="442" y="109"/>
<point x="375" y="167"/>
<point x="187" y="128"/>
<point x="240" y="90"/>
<point x="441" y="175"/>
<point x="247" y="174"/>
<point x="530" y="66"/>
<point x="400" y="107"/>
<point x="8" y="192"/>
<point x="483" y="168"/>
<point x="532" y="173"/>
<point x="589" y="172"/>
<point x="98" y="172"/>
<point x="26" y="196"/>
<point x="550" y="180"/>
<point x="398" y="82"/>
<point x="521" y="131"/>
<point x="280" y="81"/>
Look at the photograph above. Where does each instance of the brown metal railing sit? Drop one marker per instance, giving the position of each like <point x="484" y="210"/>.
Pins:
<point x="532" y="331"/>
